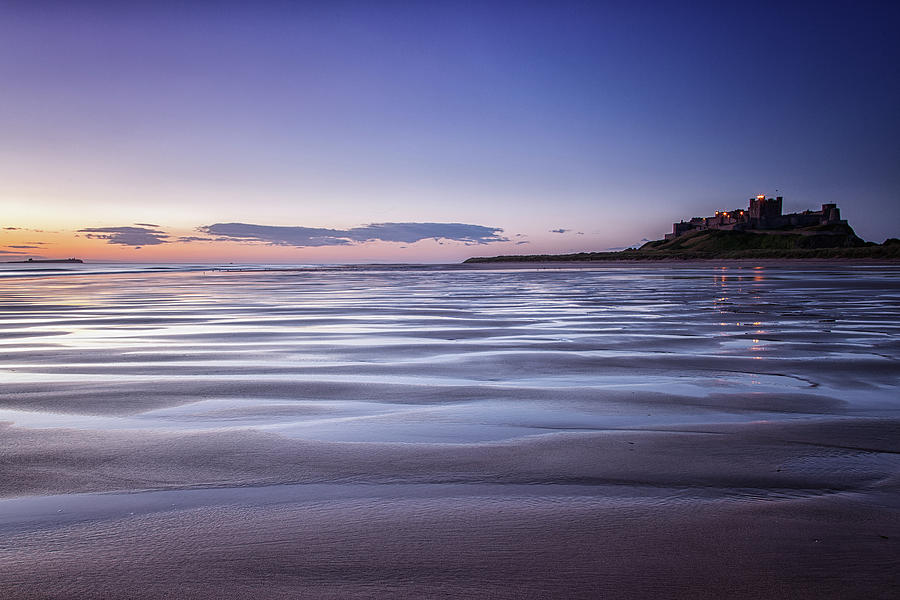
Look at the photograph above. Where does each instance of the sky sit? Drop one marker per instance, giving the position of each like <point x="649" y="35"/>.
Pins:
<point x="330" y="132"/>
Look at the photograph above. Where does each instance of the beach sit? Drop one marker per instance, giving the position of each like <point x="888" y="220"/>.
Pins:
<point x="576" y="431"/>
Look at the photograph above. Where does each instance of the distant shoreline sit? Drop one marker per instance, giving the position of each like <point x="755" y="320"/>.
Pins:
<point x="532" y="260"/>
<point x="669" y="262"/>
<point x="886" y="253"/>
<point x="31" y="261"/>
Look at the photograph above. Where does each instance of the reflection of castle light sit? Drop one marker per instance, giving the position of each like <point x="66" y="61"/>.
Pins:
<point x="763" y="213"/>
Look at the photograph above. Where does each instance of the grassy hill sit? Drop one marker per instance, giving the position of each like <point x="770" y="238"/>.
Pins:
<point x="821" y="242"/>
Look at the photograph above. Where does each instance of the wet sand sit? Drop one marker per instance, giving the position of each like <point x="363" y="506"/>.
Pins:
<point x="684" y="433"/>
<point x="457" y="543"/>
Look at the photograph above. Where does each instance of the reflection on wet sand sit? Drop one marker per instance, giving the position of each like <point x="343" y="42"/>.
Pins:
<point x="523" y="425"/>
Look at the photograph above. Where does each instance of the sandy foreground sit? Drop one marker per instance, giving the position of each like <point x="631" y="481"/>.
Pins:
<point x="759" y="510"/>
<point x="695" y="432"/>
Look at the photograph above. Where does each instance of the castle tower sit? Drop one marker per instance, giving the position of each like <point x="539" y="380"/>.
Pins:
<point x="765" y="211"/>
<point x="830" y="213"/>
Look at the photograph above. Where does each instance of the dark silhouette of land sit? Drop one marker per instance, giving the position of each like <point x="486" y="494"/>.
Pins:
<point x="712" y="244"/>
<point x="47" y="260"/>
<point x="761" y="231"/>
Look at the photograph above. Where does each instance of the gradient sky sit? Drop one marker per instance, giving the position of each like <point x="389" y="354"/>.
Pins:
<point x="434" y="131"/>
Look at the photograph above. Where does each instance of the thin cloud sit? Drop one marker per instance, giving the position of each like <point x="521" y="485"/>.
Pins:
<point x="127" y="236"/>
<point x="520" y="243"/>
<point x="18" y="246"/>
<point x="11" y="252"/>
<point x="26" y="229"/>
<point x="148" y="225"/>
<point x="414" y="232"/>
<point x="375" y="232"/>
<point x="560" y="230"/>
<point x="194" y="238"/>
<point x="276" y="235"/>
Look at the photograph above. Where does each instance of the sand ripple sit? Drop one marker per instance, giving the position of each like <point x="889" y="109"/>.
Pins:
<point x="612" y="432"/>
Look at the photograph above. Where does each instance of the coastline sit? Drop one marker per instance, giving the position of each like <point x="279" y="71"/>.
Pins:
<point x="687" y="262"/>
<point x="825" y="242"/>
<point x="891" y="256"/>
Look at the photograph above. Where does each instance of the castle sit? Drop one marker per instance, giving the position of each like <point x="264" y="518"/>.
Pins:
<point x="763" y="213"/>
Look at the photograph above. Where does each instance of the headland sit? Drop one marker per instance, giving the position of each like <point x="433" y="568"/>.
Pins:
<point x="46" y="260"/>
<point x="759" y="232"/>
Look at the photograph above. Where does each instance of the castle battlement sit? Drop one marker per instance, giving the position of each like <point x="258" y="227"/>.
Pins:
<point x="762" y="213"/>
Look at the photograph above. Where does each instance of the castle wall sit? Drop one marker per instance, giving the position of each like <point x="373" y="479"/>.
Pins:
<point x="763" y="213"/>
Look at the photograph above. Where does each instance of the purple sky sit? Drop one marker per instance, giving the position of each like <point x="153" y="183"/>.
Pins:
<point x="602" y="121"/>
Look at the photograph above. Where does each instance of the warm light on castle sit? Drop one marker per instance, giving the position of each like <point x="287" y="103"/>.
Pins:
<point x="763" y="213"/>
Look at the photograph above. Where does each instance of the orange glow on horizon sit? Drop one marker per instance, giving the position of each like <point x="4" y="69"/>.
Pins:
<point x="21" y="244"/>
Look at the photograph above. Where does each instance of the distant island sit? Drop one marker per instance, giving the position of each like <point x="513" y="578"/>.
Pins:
<point x="46" y="260"/>
<point x="760" y="231"/>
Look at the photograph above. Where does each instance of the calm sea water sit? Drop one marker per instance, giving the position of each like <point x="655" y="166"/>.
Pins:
<point x="443" y="354"/>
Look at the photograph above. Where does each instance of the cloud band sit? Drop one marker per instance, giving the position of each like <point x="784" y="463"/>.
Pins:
<point x="302" y="237"/>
